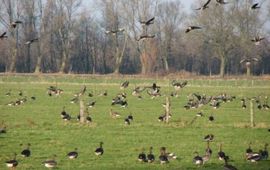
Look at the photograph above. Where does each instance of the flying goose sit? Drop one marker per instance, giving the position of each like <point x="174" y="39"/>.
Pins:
<point x="257" y="40"/>
<point x="144" y="37"/>
<point x="3" y="35"/>
<point x="31" y="41"/>
<point x="190" y="28"/>
<point x="148" y="22"/>
<point x="204" y="6"/>
<point x="114" y="32"/>
<point x="99" y="151"/>
<point x="222" y="2"/>
<point x="15" y="23"/>
<point x="13" y="162"/>
<point x="255" y="6"/>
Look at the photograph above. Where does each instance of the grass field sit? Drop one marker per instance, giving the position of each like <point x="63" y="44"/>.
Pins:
<point x="39" y="122"/>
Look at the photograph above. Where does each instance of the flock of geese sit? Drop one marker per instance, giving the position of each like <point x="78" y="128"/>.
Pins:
<point x="195" y="100"/>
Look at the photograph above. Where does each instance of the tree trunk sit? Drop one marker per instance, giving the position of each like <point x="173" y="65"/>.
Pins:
<point x="222" y="66"/>
<point x="248" y="70"/>
<point x="12" y="67"/>
<point x="166" y="65"/>
<point x="119" y="56"/>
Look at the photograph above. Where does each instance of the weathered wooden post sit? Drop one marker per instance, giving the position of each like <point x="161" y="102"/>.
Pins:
<point x="167" y="109"/>
<point x="82" y="111"/>
<point x="252" y="124"/>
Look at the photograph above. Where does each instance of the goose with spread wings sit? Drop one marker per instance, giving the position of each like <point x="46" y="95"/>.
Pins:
<point x="204" y="6"/>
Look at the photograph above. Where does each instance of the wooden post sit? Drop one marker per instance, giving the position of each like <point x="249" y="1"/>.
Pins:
<point x="167" y="109"/>
<point x="251" y="113"/>
<point x="81" y="111"/>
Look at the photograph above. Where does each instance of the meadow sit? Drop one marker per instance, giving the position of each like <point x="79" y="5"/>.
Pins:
<point x="39" y="122"/>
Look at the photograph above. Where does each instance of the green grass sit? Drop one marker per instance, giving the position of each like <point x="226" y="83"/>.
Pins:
<point x="39" y="123"/>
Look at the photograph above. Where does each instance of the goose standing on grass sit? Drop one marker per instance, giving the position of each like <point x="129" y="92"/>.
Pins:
<point x="249" y="150"/>
<point x="91" y="104"/>
<point x="124" y="85"/>
<point x="26" y="152"/>
<point x="99" y="151"/>
<point x="50" y="163"/>
<point x="151" y="156"/>
<point x="13" y="162"/>
<point x="73" y="154"/>
<point x="209" y="137"/>
<point x="63" y="113"/>
<point x="114" y="114"/>
<point x="127" y="121"/>
<point x="142" y="156"/>
<point x="208" y="150"/>
<point x="163" y="156"/>
<point x="211" y="118"/>
<point x="265" y="104"/>
<point x="221" y="154"/>
<point x="264" y="153"/>
<point x="197" y="160"/>
<point x="130" y="117"/>
<point x="243" y="101"/>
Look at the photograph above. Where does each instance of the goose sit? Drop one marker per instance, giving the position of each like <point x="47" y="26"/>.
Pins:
<point x="3" y="128"/>
<point x="150" y="156"/>
<point x="74" y="100"/>
<point x="190" y="28"/>
<point x="249" y="150"/>
<point x="114" y="114"/>
<point x="67" y="117"/>
<point x="3" y="35"/>
<point x="148" y="22"/>
<point x="204" y="6"/>
<point x="33" y="97"/>
<point x="254" y="157"/>
<point x="178" y="85"/>
<point x="215" y="104"/>
<point x="124" y="85"/>
<point x="90" y="95"/>
<point x="163" y="156"/>
<point x="13" y="162"/>
<point x="99" y="151"/>
<point x="265" y="105"/>
<point x="197" y="160"/>
<point x="221" y="154"/>
<point x="243" y="101"/>
<point x="211" y="118"/>
<point x="127" y="121"/>
<point x="199" y="114"/>
<point x="26" y="152"/>
<point x="171" y="155"/>
<point x="206" y="157"/>
<point x="209" y="137"/>
<point x="142" y="156"/>
<point x="255" y="6"/>
<point x="264" y="153"/>
<point x="50" y="163"/>
<point x="144" y="37"/>
<point x="114" y="32"/>
<point x="63" y="113"/>
<point x="130" y="117"/>
<point x="29" y="42"/>
<point x="257" y="40"/>
<point x="91" y="104"/>
<point x="105" y="93"/>
<point x="73" y="154"/>
<point x="15" y="23"/>
<point x="228" y="166"/>
<point x="222" y="2"/>
<point x="208" y="150"/>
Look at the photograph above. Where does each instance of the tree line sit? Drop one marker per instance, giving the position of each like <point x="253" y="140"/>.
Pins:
<point x="63" y="36"/>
